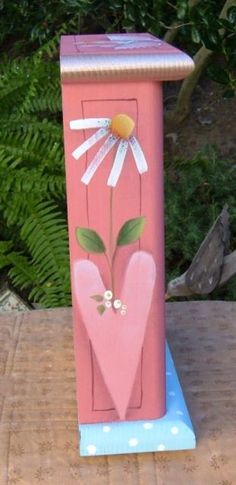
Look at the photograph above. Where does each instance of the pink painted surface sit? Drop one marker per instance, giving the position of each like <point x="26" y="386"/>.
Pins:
<point x="89" y="207"/>
<point x="123" y="335"/>
<point x="141" y="394"/>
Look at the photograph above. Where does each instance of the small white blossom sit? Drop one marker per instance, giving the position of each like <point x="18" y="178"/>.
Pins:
<point x="108" y="295"/>
<point x="117" y="304"/>
<point x="108" y="304"/>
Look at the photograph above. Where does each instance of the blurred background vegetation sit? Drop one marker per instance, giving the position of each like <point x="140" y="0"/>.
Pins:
<point x="33" y="226"/>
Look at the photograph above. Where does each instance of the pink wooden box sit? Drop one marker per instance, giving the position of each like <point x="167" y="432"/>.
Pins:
<point x="112" y="110"/>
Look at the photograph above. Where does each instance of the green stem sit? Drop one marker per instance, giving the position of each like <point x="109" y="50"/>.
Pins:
<point x="109" y="264"/>
<point x="110" y="255"/>
<point x="111" y="224"/>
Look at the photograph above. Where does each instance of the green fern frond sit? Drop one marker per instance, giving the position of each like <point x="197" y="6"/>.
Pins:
<point x="24" y="181"/>
<point x="45" y="269"/>
<point x="32" y="179"/>
<point x="22" y="273"/>
<point x="51" y="47"/>
<point x="15" y="209"/>
<point x="45" y="235"/>
<point x="26" y="80"/>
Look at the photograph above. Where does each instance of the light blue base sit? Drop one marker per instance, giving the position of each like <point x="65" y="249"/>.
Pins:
<point x="173" y="431"/>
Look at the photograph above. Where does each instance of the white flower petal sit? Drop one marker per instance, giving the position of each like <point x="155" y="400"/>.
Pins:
<point x="84" y="124"/>
<point x="78" y="152"/>
<point x="118" y="163"/>
<point x="138" y="154"/>
<point x="100" y="155"/>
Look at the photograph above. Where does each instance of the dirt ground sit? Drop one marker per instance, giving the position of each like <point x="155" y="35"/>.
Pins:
<point x="212" y="120"/>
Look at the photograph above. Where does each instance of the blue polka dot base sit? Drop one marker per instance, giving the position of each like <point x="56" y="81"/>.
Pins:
<point x="173" y="431"/>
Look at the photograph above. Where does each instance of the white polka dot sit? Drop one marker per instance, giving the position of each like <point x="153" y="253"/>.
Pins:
<point x="106" y="429"/>
<point x="180" y="413"/>
<point x="133" y="442"/>
<point x="91" y="449"/>
<point x="161" y="447"/>
<point x="169" y="373"/>
<point x="171" y="393"/>
<point x="174" y="430"/>
<point x="148" y="425"/>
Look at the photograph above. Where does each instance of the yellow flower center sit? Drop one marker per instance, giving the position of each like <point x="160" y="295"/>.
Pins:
<point x="122" y="126"/>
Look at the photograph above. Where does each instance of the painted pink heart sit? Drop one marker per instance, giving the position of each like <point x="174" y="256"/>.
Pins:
<point x="117" y="339"/>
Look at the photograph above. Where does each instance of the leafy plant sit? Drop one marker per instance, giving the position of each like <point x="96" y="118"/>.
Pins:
<point x="207" y="30"/>
<point x="33" y="234"/>
<point x="195" y="193"/>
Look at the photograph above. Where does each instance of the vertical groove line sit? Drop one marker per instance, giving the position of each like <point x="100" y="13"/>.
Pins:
<point x="86" y="188"/>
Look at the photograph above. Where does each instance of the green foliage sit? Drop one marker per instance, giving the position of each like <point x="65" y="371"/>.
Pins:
<point x="195" y="193"/>
<point x="218" y="34"/>
<point x="24" y="23"/>
<point x="33" y="235"/>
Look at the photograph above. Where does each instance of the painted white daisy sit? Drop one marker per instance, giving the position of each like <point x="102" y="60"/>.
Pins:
<point x="118" y="130"/>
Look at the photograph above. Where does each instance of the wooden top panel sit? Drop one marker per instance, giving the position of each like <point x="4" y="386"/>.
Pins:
<point x="120" y="57"/>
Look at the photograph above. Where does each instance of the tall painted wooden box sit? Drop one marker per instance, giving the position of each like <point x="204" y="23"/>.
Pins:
<point x="112" y="112"/>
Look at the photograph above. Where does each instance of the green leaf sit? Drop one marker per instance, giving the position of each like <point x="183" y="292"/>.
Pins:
<point x="5" y="246"/>
<point x="97" y="297"/>
<point x="212" y="40"/>
<point x="89" y="240"/>
<point x="4" y="261"/>
<point x="130" y="231"/>
<point x="218" y="74"/>
<point x="195" y="35"/>
<point x="182" y="7"/>
<point x="231" y="15"/>
<point x="101" y="309"/>
<point x="229" y="93"/>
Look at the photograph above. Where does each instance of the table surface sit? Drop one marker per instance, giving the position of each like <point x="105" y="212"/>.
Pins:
<point x="38" y="424"/>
